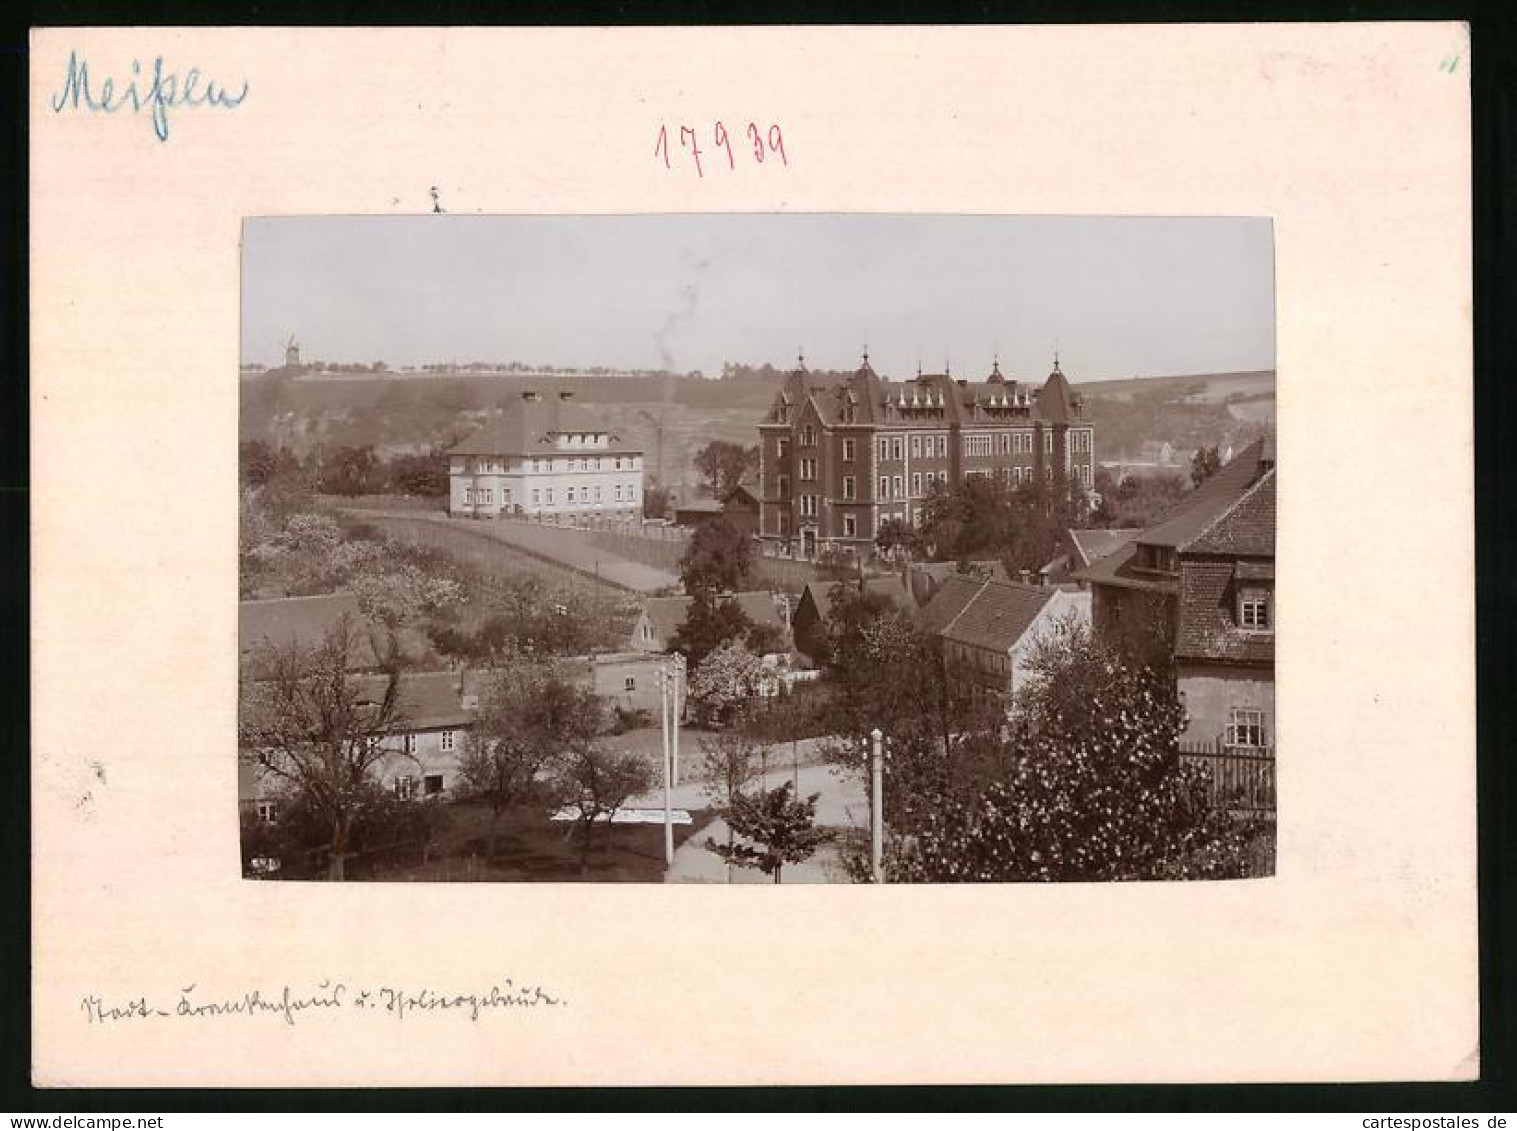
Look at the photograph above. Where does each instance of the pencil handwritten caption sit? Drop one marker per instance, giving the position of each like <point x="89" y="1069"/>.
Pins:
<point x="160" y="92"/>
<point x="755" y="144"/>
<point x="326" y="998"/>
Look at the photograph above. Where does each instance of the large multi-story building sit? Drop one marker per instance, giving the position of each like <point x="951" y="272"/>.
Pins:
<point x="544" y="456"/>
<point x="840" y="458"/>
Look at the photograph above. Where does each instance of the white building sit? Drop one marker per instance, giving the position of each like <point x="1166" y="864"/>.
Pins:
<point x="544" y="456"/>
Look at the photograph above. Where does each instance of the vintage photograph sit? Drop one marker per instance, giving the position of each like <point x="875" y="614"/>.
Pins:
<point x="772" y="548"/>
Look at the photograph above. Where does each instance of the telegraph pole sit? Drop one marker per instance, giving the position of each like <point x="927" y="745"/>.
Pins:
<point x="679" y="683"/>
<point x="663" y="686"/>
<point x="877" y="806"/>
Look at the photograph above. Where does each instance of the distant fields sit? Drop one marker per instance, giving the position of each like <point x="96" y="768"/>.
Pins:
<point x="671" y="418"/>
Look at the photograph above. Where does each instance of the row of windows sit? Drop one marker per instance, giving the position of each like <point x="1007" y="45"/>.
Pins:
<point x="447" y="741"/>
<point x="893" y="487"/>
<point x="485" y="496"/>
<point x="585" y="463"/>
<point x="935" y="446"/>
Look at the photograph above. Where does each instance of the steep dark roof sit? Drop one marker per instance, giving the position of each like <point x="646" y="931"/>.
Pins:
<point x="996" y="614"/>
<point x="1246" y="529"/>
<point x="304" y="622"/>
<point x="1237" y="549"/>
<point x="526" y="427"/>
<point x="952" y="598"/>
<point x="927" y="400"/>
<point x="1116" y="569"/>
<point x="1196" y="512"/>
<point x="1055" y="401"/>
<point x="1192" y="521"/>
<point x="1207" y="627"/>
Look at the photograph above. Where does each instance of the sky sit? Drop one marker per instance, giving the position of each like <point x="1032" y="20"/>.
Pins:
<point x="1117" y="296"/>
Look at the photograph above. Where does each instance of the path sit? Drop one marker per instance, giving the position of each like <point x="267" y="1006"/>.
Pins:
<point x="561" y="545"/>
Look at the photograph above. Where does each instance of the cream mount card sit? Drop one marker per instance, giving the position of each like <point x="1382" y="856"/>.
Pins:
<point x="155" y="963"/>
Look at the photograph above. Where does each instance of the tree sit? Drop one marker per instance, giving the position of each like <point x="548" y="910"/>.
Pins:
<point x="719" y="558"/>
<point x="425" y="475"/>
<point x="655" y="501"/>
<point x="530" y="717"/>
<point x="724" y="682"/>
<point x="781" y="830"/>
<point x="711" y="622"/>
<point x="255" y="463"/>
<point x="350" y="471"/>
<point x="723" y="464"/>
<point x="896" y="536"/>
<point x="400" y="596"/>
<point x="598" y="782"/>
<point x="321" y="732"/>
<point x="1093" y="787"/>
<point x="1204" y="464"/>
<point x="729" y="762"/>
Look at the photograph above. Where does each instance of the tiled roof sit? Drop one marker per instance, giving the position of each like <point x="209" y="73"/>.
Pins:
<point x="890" y="586"/>
<point x="666" y="614"/>
<point x="997" y="614"/>
<point x="1093" y="545"/>
<point x="525" y="427"/>
<point x="952" y="598"/>
<point x="304" y="622"/>
<point x="1197" y="511"/>
<point x="426" y="700"/>
<point x="1247" y="528"/>
<point x="927" y="400"/>
<point x="1116" y="569"/>
<point x="1208" y="628"/>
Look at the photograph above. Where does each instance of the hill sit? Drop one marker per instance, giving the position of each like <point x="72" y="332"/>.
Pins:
<point x="671" y="416"/>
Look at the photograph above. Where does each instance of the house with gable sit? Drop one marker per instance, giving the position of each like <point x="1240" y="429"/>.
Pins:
<point x="908" y="590"/>
<point x="1080" y="548"/>
<point x="661" y="617"/>
<point x="1197" y="590"/>
<point x="987" y="629"/>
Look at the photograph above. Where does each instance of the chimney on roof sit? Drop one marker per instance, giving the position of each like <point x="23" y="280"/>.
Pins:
<point x="963" y="382"/>
<point x="530" y="395"/>
<point x="566" y="395"/>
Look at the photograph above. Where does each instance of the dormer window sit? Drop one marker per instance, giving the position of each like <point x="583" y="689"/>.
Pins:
<point x="1160" y="559"/>
<point x="1253" y="609"/>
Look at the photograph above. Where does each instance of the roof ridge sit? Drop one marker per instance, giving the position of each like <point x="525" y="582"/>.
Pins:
<point x="1234" y="505"/>
<point x="1052" y="596"/>
<point x="973" y="598"/>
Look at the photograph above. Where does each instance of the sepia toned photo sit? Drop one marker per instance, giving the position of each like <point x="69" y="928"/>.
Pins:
<point x="757" y="549"/>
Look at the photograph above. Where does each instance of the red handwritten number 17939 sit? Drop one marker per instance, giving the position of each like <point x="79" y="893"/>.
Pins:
<point x="770" y="143"/>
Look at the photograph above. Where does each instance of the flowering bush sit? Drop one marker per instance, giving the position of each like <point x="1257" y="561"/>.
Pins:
<point x="1091" y="786"/>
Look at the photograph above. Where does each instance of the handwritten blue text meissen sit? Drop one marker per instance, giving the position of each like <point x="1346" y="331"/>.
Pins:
<point x="166" y="91"/>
